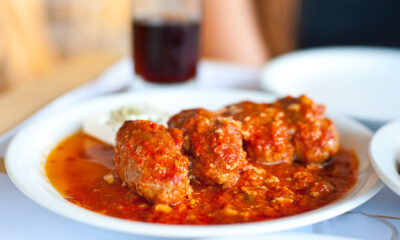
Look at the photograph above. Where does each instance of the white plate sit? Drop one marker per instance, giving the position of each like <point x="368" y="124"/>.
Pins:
<point x="288" y="236"/>
<point x="384" y="151"/>
<point x="362" y="82"/>
<point x="27" y="153"/>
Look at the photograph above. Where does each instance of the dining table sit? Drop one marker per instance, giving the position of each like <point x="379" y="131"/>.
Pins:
<point x="90" y="77"/>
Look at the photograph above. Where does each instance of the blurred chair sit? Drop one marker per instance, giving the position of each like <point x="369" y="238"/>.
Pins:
<point x="2" y="67"/>
<point x="39" y="34"/>
<point x="249" y="31"/>
<point x="26" y="48"/>
<point x="278" y="24"/>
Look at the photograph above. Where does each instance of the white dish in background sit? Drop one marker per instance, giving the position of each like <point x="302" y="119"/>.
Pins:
<point x="26" y="168"/>
<point x="385" y="154"/>
<point x="362" y="82"/>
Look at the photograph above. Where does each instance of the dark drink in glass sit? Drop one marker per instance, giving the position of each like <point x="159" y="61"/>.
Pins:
<point x="165" y="51"/>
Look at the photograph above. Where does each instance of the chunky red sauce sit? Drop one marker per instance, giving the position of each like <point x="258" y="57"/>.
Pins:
<point x="76" y="168"/>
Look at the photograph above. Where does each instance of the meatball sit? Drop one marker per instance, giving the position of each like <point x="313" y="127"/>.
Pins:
<point x="214" y="144"/>
<point x="265" y="131"/>
<point x="148" y="157"/>
<point x="180" y="119"/>
<point x="314" y="136"/>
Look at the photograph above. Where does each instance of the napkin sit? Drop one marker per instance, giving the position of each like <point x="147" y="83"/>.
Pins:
<point x="114" y="79"/>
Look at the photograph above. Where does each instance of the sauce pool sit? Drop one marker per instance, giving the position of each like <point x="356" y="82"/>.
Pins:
<point x="76" y="168"/>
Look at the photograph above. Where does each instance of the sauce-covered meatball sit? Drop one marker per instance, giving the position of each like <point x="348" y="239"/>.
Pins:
<point x="265" y="131"/>
<point x="180" y="119"/>
<point x="214" y="144"/>
<point x="315" y="137"/>
<point x="148" y="157"/>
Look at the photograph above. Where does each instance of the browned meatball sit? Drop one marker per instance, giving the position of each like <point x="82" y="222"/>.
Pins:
<point x="314" y="136"/>
<point x="265" y="131"/>
<point x="148" y="157"/>
<point x="180" y="119"/>
<point x="215" y="146"/>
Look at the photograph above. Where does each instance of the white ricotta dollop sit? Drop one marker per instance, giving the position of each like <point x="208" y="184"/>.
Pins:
<point x="104" y="126"/>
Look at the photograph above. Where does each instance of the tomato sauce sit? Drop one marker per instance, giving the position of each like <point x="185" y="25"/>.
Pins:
<point x="76" y="168"/>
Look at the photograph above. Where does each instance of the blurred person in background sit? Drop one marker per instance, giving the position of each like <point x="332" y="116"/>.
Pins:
<point x="38" y="34"/>
<point x="251" y="32"/>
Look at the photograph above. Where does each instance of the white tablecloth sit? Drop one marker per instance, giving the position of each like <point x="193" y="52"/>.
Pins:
<point x="21" y="218"/>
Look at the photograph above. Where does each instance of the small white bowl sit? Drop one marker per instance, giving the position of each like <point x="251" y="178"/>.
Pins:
<point x="27" y="154"/>
<point x="385" y="154"/>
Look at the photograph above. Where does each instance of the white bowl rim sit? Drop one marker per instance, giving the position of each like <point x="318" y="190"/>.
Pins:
<point x="392" y="181"/>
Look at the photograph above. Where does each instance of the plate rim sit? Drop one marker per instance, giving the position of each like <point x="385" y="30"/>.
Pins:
<point x="182" y="231"/>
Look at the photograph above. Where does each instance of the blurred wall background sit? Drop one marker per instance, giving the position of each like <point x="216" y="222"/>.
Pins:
<point x="36" y="35"/>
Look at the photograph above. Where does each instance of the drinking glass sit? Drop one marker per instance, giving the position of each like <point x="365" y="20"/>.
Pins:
<point x="165" y="40"/>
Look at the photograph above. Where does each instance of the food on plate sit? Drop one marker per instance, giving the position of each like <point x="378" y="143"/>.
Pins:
<point x="273" y="132"/>
<point x="265" y="131"/>
<point x="148" y="157"/>
<point x="242" y="163"/>
<point x="315" y="137"/>
<point x="214" y="145"/>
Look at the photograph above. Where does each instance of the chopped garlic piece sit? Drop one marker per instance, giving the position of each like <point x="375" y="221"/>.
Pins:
<point x="162" y="208"/>
<point x="109" y="178"/>
<point x="230" y="212"/>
